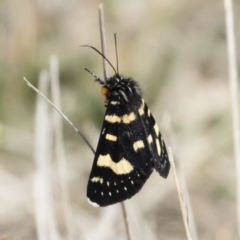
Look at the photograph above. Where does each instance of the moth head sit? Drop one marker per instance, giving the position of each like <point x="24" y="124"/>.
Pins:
<point x="111" y="87"/>
<point x="121" y="89"/>
<point x="115" y="88"/>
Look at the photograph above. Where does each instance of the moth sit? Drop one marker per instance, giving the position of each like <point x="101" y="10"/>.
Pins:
<point x="130" y="145"/>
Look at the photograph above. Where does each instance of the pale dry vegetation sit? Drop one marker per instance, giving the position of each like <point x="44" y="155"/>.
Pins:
<point x="177" y="52"/>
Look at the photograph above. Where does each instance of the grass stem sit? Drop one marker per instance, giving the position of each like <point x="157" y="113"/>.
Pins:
<point x="233" y="81"/>
<point x="180" y="196"/>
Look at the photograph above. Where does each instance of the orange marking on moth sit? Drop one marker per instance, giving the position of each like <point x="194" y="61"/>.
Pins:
<point x="105" y="92"/>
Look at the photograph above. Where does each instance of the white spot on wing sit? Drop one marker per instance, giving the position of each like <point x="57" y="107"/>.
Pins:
<point x="113" y="118"/>
<point x="128" y="118"/>
<point x="158" y="147"/>
<point x="103" y="131"/>
<point x="97" y="179"/>
<point x="121" y="167"/>
<point x="137" y="145"/>
<point x="150" y="139"/>
<point x="114" y="102"/>
<point x="93" y="203"/>
<point x="156" y="129"/>
<point x="111" y="137"/>
<point x="149" y="113"/>
<point x="141" y="109"/>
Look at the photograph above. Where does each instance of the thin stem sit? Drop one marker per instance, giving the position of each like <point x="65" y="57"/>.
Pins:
<point x="45" y="220"/>
<point x="180" y="196"/>
<point x="233" y="81"/>
<point x="170" y="138"/>
<point x="103" y="43"/>
<point x="103" y="40"/>
<point x="60" y="150"/>
<point x="41" y="94"/>
<point x="116" y="51"/>
<point x="125" y="219"/>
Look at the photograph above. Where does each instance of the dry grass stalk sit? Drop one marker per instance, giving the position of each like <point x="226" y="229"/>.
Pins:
<point x="103" y="40"/>
<point x="45" y="221"/>
<point x="182" y="201"/>
<point x="105" y="71"/>
<point x="64" y="116"/>
<point x="233" y="81"/>
<point x="182" y="179"/>
<point x="125" y="219"/>
<point x="54" y="106"/>
<point x="60" y="150"/>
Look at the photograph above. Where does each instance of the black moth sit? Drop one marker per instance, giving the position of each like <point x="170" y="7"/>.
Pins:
<point x="130" y="144"/>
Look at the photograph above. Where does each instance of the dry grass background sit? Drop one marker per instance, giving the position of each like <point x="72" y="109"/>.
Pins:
<point x="177" y="52"/>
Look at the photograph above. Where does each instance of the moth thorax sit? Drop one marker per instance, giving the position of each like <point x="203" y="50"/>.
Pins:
<point x="105" y="92"/>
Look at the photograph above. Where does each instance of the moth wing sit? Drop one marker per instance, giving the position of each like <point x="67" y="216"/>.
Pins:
<point x="156" y="143"/>
<point x="122" y="163"/>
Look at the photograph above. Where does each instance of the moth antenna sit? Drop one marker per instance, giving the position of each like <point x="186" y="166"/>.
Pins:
<point x="101" y="55"/>
<point x="116" y="50"/>
<point x="97" y="79"/>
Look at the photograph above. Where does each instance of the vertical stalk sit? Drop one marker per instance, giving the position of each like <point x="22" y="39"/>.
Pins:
<point x="103" y="40"/>
<point x="45" y="221"/>
<point x="180" y="196"/>
<point x="233" y="81"/>
<point x="60" y="151"/>
<point x="105" y="71"/>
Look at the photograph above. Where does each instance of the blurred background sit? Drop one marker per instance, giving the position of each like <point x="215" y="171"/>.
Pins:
<point x="177" y="52"/>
